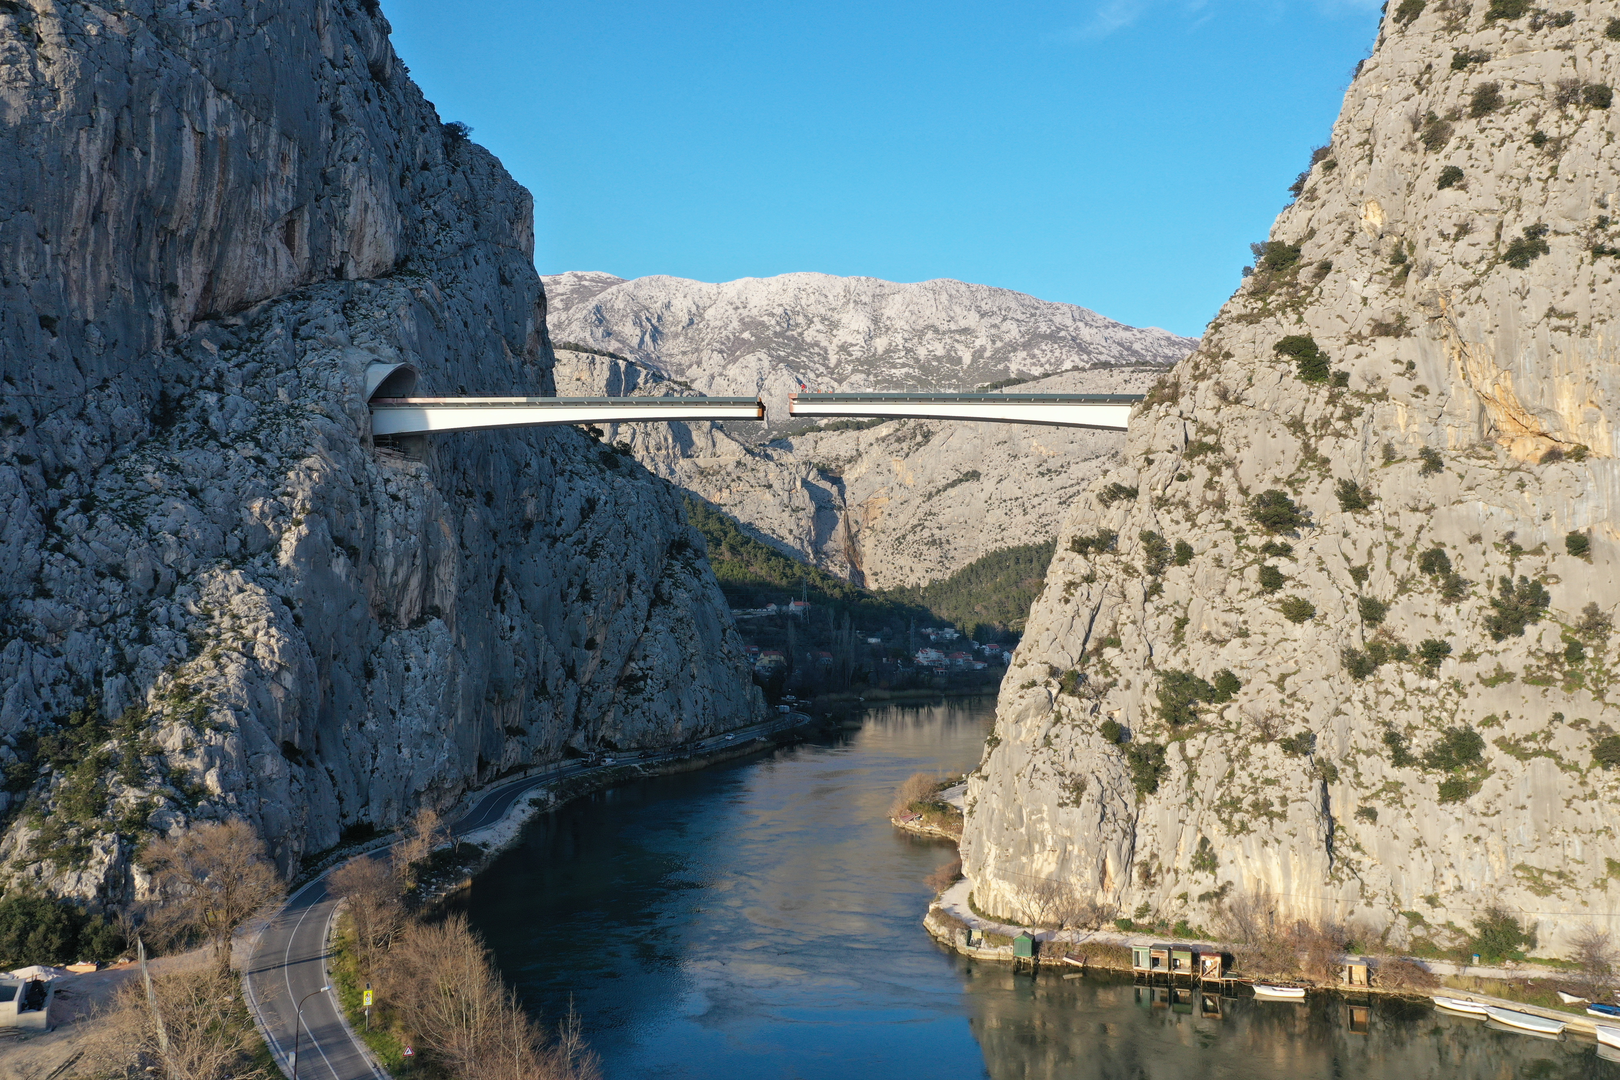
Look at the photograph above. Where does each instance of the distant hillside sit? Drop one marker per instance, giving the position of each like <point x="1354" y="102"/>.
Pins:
<point x="993" y="592"/>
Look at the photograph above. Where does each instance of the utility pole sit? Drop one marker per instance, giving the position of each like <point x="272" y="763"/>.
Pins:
<point x="151" y="999"/>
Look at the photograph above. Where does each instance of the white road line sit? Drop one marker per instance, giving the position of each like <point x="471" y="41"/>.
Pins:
<point x="286" y="968"/>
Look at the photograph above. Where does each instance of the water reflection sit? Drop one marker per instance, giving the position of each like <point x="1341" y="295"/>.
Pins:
<point x="762" y="920"/>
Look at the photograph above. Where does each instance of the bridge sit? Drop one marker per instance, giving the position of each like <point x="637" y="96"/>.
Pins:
<point x="1108" y="412"/>
<point x="395" y="412"/>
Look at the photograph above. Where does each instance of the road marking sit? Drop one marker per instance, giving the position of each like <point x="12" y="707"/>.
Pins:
<point x="286" y="962"/>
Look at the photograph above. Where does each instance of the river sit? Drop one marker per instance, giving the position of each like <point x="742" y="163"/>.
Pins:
<point x="762" y="919"/>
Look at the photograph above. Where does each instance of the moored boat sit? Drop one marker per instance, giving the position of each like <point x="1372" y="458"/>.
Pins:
<point x="1451" y="1004"/>
<point x="1538" y="1025"/>
<point x="1570" y="999"/>
<point x="1607" y="1035"/>
<point x="1279" y="993"/>
<point x="1607" y="1012"/>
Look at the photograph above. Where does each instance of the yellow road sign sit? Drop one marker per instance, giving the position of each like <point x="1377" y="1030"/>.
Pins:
<point x="366" y="999"/>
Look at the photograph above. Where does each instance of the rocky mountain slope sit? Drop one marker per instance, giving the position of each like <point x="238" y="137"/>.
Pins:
<point x="899" y="503"/>
<point x="217" y="596"/>
<point x="1335" y="642"/>
<point x="760" y="335"/>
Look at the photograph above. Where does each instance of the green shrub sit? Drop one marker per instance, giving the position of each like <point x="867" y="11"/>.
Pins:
<point x="1435" y="133"/>
<point x="1359" y="664"/>
<point x="1299" y="744"/>
<point x="1606" y="751"/>
<point x="1115" y="492"/>
<point x="1527" y="248"/>
<point x="1112" y="731"/>
<point x="1515" y="607"/>
<point x="1179" y="693"/>
<point x="1297" y="609"/>
<point x="1507" y="9"/>
<point x="1432" y="462"/>
<point x="1612" y="31"/>
<point x="1498" y="935"/>
<point x="1275" y="512"/>
<point x="1457" y="788"/>
<point x="1595" y="624"/>
<point x="1553" y="455"/>
<point x="38" y="930"/>
<point x="1351" y="497"/>
<point x="1463" y="59"/>
<point x="1070" y="682"/>
<point x="1538" y="139"/>
<point x="1409" y="10"/>
<point x="1453" y="588"/>
<point x="1198" y="448"/>
<point x="1432" y="652"/>
<point x="1089" y="545"/>
<point x="1146" y="761"/>
<point x="1340" y="379"/>
<point x="1155" y="553"/>
<point x="1203" y="860"/>
<point x="1276" y="256"/>
<point x="1226" y="686"/>
<point x="1450" y="177"/>
<point x="1574" y="652"/>
<point x="1372" y="611"/>
<point x="1435" y="562"/>
<point x="1486" y="99"/>
<point x="1597" y="95"/>
<point x="1271" y="578"/>
<point x="1184" y="553"/>
<point x="1458" y="748"/>
<point x="1578" y="545"/>
<point x="1311" y="361"/>
<point x="1367" y="814"/>
<point x="1271" y="549"/>
<point x="1400" y="754"/>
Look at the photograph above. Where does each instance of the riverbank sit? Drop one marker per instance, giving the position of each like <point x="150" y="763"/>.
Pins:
<point x="953" y="921"/>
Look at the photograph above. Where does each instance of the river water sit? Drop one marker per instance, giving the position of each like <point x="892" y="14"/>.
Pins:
<point x="763" y="920"/>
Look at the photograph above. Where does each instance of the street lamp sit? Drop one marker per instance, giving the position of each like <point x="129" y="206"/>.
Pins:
<point x="298" y="1026"/>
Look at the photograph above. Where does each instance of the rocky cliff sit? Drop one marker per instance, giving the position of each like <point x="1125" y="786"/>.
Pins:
<point x="900" y="503"/>
<point x="1335" y="643"/>
<point x="217" y="596"/>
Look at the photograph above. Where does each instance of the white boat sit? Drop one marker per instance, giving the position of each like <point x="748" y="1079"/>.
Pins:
<point x="1608" y="1036"/>
<point x="1279" y="993"/>
<point x="1570" y="999"/>
<point x="1459" y="1005"/>
<point x="1538" y="1025"/>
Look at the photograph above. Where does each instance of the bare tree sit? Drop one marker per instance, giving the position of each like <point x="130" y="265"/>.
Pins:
<point x="426" y="832"/>
<point x="1595" y="956"/>
<point x="371" y="897"/>
<point x="209" y="1035"/>
<point x="212" y="877"/>
<point x="450" y="997"/>
<point x="918" y="787"/>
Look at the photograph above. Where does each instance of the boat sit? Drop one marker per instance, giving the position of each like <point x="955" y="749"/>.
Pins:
<point x="1460" y="1005"/>
<point x="1571" y="999"/>
<point x="1536" y="1025"/>
<point x="1608" y="1036"/>
<point x="1279" y="993"/>
<point x="1607" y="1012"/>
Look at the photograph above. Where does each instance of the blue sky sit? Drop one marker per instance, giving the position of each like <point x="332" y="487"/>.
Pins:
<point x="1119" y="154"/>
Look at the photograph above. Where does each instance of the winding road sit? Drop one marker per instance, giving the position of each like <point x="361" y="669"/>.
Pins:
<point x="287" y="964"/>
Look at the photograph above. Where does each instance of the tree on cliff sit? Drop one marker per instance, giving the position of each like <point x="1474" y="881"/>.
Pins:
<point x="212" y="877"/>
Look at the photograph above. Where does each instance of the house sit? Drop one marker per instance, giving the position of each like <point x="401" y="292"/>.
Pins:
<point x="798" y="607"/>
<point x="958" y="659"/>
<point x="930" y="658"/>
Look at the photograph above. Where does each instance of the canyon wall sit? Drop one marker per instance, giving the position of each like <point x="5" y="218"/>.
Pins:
<point x="1334" y="642"/>
<point x="217" y="594"/>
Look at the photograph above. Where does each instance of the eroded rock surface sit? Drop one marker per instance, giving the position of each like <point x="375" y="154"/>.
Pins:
<point x="216" y="595"/>
<point x="1452" y="254"/>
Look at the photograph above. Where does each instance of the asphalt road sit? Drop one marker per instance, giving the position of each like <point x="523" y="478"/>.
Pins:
<point x="288" y="964"/>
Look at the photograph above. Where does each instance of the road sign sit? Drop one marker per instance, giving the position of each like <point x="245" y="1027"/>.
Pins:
<point x="365" y="999"/>
<point x="409" y="1052"/>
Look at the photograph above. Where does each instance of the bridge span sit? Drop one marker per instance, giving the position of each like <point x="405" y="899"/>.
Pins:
<point x="1108" y="412"/>
<point x="395" y="412"/>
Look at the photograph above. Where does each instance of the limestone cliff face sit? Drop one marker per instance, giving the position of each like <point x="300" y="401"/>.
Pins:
<point x="902" y="503"/>
<point x="212" y="218"/>
<point x="1451" y="254"/>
